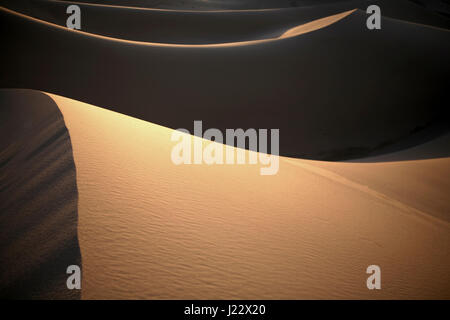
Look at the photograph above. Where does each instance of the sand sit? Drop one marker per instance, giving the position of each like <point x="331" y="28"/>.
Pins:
<point x="400" y="9"/>
<point x="268" y="84"/>
<point x="200" y="27"/>
<point x="85" y="150"/>
<point x="38" y="199"/>
<point x="151" y="229"/>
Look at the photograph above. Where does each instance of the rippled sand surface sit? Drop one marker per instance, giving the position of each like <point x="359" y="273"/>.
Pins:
<point x="151" y="229"/>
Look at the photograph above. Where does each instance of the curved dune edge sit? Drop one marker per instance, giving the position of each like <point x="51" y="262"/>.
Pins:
<point x="315" y="25"/>
<point x="38" y="198"/>
<point x="293" y="32"/>
<point x="283" y="74"/>
<point x="151" y="229"/>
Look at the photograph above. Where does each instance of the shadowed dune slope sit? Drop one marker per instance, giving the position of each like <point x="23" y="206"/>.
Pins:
<point x="202" y="5"/>
<point x="411" y="10"/>
<point x="196" y="27"/>
<point x="38" y="199"/>
<point x="329" y="91"/>
<point x="431" y="141"/>
<point x="289" y="33"/>
<point x="438" y="147"/>
<point x="152" y="229"/>
<point x="177" y="27"/>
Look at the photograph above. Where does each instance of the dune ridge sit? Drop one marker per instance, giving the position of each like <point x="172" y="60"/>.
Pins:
<point x="214" y="83"/>
<point x="412" y="9"/>
<point x="161" y="231"/>
<point x="293" y="32"/>
<point x="85" y="150"/>
<point x="187" y="27"/>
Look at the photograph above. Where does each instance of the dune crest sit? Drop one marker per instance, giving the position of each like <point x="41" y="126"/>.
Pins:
<point x="151" y="229"/>
<point x="298" y="30"/>
<point x="267" y="84"/>
<point x="91" y="166"/>
<point x="315" y="25"/>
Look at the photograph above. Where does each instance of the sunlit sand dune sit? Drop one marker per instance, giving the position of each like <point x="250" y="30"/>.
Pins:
<point x="423" y="184"/>
<point x="152" y="229"/>
<point x="87" y="176"/>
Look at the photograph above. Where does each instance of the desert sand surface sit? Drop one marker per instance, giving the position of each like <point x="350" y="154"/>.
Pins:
<point x="152" y="229"/>
<point x="408" y="176"/>
<point x="38" y="199"/>
<point x="86" y="176"/>
<point x="395" y="78"/>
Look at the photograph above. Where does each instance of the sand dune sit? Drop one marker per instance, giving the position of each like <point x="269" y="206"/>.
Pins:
<point x="177" y="27"/>
<point x="38" y="199"/>
<point x="406" y="180"/>
<point x="269" y="84"/>
<point x="422" y="184"/>
<point x="151" y="229"/>
<point x="399" y="9"/>
<point x="286" y="34"/>
<point x="181" y="27"/>
<point x="85" y="150"/>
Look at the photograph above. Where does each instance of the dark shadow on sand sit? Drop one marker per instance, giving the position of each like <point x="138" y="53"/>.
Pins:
<point x="38" y="198"/>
